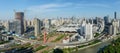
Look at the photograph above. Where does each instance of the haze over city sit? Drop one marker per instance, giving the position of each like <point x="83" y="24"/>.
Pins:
<point x="59" y="8"/>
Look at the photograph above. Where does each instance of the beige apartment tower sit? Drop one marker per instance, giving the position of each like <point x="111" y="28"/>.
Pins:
<point x="37" y="27"/>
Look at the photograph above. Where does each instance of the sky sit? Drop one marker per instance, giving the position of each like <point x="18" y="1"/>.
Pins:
<point x="59" y="8"/>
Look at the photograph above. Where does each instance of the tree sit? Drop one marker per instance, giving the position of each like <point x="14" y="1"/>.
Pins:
<point x="57" y="50"/>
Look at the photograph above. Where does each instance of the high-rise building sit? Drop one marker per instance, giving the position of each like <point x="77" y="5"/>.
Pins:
<point x="13" y="26"/>
<point x="106" y="19"/>
<point x="119" y="25"/>
<point x="25" y="25"/>
<point x="110" y="30"/>
<point x="88" y="31"/>
<point x="30" y="23"/>
<point x="83" y="23"/>
<point x="47" y="24"/>
<point x="115" y="24"/>
<point x="115" y="15"/>
<point x="37" y="27"/>
<point x="19" y="17"/>
<point x="91" y="21"/>
<point x="114" y="30"/>
<point x="6" y="25"/>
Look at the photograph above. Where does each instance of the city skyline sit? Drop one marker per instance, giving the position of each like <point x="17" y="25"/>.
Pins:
<point x="59" y="8"/>
<point x="59" y="26"/>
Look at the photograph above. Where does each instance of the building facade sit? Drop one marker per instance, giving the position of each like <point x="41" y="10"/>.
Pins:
<point x="88" y="31"/>
<point x="37" y="27"/>
<point x="19" y="19"/>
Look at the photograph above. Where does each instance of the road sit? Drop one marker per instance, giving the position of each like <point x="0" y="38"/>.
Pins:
<point x="56" y="44"/>
<point x="96" y="48"/>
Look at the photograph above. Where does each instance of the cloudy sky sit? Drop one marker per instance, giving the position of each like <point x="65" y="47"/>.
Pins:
<point x="59" y="8"/>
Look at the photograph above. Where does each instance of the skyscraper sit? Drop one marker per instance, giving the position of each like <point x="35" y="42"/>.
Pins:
<point x="19" y="16"/>
<point x="115" y="15"/>
<point x="25" y="25"/>
<point x="110" y="29"/>
<point x="115" y="24"/>
<point x="37" y="27"/>
<point x="88" y="31"/>
<point x="106" y="19"/>
<point x="47" y="24"/>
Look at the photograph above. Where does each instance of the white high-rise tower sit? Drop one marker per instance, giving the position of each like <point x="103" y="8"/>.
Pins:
<point x="88" y="31"/>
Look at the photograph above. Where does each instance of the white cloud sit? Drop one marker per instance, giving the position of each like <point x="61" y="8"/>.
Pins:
<point x="93" y="5"/>
<point x="54" y="7"/>
<point x="47" y="7"/>
<point x="57" y="7"/>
